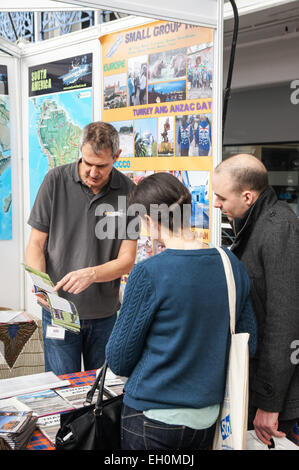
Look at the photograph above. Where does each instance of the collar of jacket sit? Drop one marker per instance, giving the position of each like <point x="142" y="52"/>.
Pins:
<point x="265" y="200"/>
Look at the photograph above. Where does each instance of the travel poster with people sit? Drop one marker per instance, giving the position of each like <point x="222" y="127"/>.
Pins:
<point x="157" y="91"/>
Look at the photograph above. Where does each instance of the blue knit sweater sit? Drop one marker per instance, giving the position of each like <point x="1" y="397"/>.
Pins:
<point x="172" y="334"/>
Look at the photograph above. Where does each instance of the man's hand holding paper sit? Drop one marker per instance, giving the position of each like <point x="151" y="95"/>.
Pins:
<point x="77" y="281"/>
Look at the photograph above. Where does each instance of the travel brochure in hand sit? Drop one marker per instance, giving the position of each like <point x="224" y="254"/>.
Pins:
<point x="64" y="312"/>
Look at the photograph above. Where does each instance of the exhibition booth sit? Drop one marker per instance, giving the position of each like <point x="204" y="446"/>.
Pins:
<point x="157" y="75"/>
<point x="51" y="89"/>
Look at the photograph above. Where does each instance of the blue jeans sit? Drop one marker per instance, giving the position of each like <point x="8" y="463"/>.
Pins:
<point x="64" y="356"/>
<point x="141" y="433"/>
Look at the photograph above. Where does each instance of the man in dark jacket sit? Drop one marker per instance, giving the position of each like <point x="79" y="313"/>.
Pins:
<point x="267" y="242"/>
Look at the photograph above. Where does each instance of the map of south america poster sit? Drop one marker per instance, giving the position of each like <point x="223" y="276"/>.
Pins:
<point x="60" y="105"/>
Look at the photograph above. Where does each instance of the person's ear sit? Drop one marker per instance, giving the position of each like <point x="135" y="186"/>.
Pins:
<point x="146" y="222"/>
<point x="147" y="219"/>
<point x="153" y="227"/>
<point x="249" y="197"/>
<point x="117" y="155"/>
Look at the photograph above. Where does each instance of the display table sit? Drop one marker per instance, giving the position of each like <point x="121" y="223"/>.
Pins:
<point x="38" y="441"/>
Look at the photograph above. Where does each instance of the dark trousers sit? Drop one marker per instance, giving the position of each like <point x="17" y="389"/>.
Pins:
<point x="141" y="433"/>
<point x="64" y="356"/>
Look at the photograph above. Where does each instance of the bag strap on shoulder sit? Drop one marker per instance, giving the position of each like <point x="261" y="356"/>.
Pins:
<point x="231" y="287"/>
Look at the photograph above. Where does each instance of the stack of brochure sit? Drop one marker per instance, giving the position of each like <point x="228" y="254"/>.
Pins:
<point x="17" y="427"/>
<point x="38" y="405"/>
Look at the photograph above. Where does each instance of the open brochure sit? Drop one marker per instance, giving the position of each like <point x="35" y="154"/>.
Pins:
<point x="49" y="426"/>
<point x="76" y="396"/>
<point x="63" y="312"/>
<point x="45" y="402"/>
<point x="24" y="384"/>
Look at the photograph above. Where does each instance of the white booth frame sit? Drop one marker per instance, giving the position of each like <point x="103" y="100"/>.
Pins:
<point x="11" y="276"/>
<point x="85" y="41"/>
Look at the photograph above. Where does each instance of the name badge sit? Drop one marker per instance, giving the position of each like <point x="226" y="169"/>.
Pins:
<point x="55" y="332"/>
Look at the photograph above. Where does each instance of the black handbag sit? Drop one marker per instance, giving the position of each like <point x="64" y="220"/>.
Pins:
<point x="92" y="427"/>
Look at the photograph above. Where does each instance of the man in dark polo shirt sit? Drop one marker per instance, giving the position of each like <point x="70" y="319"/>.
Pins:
<point x="68" y="242"/>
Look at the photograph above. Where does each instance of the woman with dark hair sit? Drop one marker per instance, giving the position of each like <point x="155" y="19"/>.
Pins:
<point x="171" y="338"/>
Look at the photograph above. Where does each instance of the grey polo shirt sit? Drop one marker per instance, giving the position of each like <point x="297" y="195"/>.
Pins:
<point x="70" y="213"/>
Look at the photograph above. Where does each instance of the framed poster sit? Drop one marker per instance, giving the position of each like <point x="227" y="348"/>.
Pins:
<point x="157" y="92"/>
<point x="60" y="105"/>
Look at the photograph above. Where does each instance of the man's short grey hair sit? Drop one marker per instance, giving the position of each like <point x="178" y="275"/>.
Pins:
<point x="100" y="135"/>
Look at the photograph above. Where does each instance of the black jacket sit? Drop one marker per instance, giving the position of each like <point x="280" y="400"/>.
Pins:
<point x="267" y="242"/>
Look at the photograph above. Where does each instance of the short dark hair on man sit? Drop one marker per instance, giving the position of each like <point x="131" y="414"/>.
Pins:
<point x="100" y="135"/>
<point x="246" y="171"/>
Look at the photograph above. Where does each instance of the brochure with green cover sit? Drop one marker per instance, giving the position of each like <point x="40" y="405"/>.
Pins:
<point x="63" y="312"/>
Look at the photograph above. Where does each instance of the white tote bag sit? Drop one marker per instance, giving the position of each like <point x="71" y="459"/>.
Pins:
<point x="231" y="425"/>
<point x="279" y="443"/>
